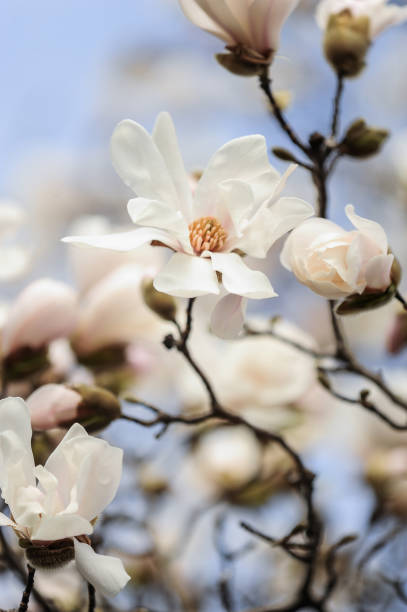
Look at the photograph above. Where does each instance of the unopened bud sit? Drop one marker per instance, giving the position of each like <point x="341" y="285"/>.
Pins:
<point x="283" y="154"/>
<point x="98" y="408"/>
<point x="346" y="43"/>
<point x="58" y="406"/>
<point x="25" y="363"/>
<point x="161" y="304"/>
<point x="362" y="140"/>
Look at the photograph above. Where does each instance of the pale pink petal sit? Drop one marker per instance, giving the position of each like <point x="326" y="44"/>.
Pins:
<point x="200" y="18"/>
<point x="369" y="228"/>
<point x="51" y="405"/>
<point x="378" y="272"/>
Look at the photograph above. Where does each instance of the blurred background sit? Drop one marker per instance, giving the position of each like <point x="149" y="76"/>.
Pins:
<point x="70" y="72"/>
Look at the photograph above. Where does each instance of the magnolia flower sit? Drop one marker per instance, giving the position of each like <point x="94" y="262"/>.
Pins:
<point x="381" y="15"/>
<point x="251" y="26"/>
<point x="13" y="258"/>
<point x="44" y="310"/>
<point x="335" y="263"/>
<point x="53" y="507"/>
<point x="236" y="207"/>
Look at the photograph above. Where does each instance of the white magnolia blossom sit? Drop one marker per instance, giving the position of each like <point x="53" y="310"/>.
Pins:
<point x="229" y="457"/>
<point x="381" y="14"/>
<point x="236" y="206"/>
<point x="13" y="257"/>
<point x="43" y="311"/>
<point x="335" y="263"/>
<point x="252" y="24"/>
<point x="61" y="499"/>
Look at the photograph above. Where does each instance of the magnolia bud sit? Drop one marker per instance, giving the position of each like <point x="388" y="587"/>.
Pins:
<point x="161" y="304"/>
<point x="283" y="98"/>
<point x="346" y="42"/>
<point x="363" y="141"/>
<point x="284" y="154"/>
<point x="58" y="406"/>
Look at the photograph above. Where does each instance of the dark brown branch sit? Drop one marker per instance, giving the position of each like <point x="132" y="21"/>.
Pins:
<point x="25" y="600"/>
<point x="91" y="598"/>
<point x="265" y="84"/>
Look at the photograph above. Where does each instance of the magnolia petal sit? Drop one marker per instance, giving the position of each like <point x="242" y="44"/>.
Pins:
<point x="165" y="138"/>
<point x="187" y="276"/>
<point x="140" y="164"/>
<point x="224" y="15"/>
<point x="369" y="228"/>
<point x="198" y="17"/>
<point x="154" y="214"/>
<point x="245" y="159"/>
<point x="106" y="574"/>
<point x="268" y="225"/>
<point x="125" y="241"/>
<point x="279" y="11"/>
<point x="52" y="528"/>
<point x="90" y="466"/>
<point x="239" y="279"/>
<point x="228" y="316"/>
<point x="378" y="272"/>
<point x="14" y="262"/>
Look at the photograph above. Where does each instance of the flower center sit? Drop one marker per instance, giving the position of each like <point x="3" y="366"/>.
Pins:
<point x="206" y="234"/>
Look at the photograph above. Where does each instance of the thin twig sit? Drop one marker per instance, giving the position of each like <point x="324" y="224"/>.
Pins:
<point x="337" y="105"/>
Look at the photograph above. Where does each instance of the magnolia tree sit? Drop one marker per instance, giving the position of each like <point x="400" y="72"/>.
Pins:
<point x="223" y="510"/>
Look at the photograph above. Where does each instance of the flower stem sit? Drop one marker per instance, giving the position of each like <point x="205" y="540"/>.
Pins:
<point x="25" y="600"/>
<point x="337" y="105"/>
<point x="92" y="598"/>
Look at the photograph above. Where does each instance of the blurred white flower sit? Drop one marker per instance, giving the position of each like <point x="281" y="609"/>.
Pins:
<point x="251" y="25"/>
<point x="61" y="499"/>
<point x="381" y="15"/>
<point x="113" y="312"/>
<point x="236" y="206"/>
<point x="43" y="311"/>
<point x="230" y="457"/>
<point x="14" y="259"/>
<point x="267" y="373"/>
<point x="335" y="263"/>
